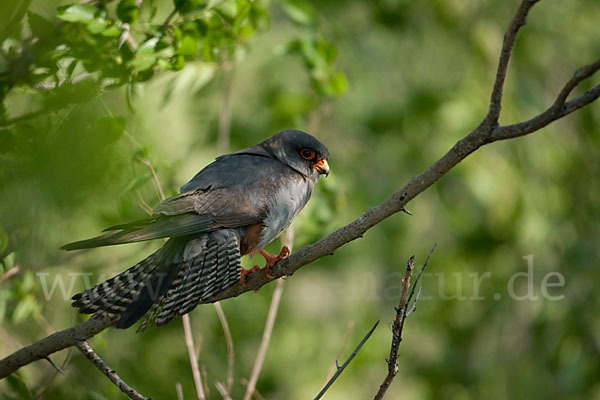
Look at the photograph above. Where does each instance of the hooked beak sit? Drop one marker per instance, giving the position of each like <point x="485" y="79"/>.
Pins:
<point x="322" y="167"/>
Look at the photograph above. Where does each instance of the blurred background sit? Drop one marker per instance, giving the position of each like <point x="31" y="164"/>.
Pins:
<point x="98" y="97"/>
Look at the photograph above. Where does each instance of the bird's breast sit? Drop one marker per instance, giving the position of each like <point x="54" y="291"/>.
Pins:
<point x="287" y="203"/>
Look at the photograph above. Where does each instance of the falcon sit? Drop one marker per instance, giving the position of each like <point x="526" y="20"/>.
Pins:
<point x="233" y="207"/>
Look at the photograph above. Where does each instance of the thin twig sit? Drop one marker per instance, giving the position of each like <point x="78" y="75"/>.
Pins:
<point x="341" y="368"/>
<point x="412" y="292"/>
<point x="154" y="177"/>
<point x="229" y="341"/>
<point x="223" y="391"/>
<point x="256" y="393"/>
<point x="179" y="390"/>
<point x="264" y="344"/>
<point x="89" y="353"/>
<point x="169" y="18"/>
<point x="54" y="365"/>
<point x="402" y="312"/>
<point x="189" y="343"/>
<point x="10" y="273"/>
<point x="205" y="380"/>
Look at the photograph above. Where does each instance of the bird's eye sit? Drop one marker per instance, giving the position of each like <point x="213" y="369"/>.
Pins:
<point x="307" y="154"/>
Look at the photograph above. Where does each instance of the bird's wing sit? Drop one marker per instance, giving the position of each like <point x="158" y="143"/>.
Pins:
<point x="234" y="191"/>
<point x="153" y="227"/>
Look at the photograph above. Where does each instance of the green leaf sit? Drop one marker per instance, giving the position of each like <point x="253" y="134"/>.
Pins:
<point x="165" y="64"/>
<point x="111" y="31"/>
<point x="40" y="26"/>
<point x="77" y="13"/>
<point x="188" y="6"/>
<point x="96" y="26"/>
<point x="179" y="63"/>
<point x="339" y="83"/>
<point x="143" y="63"/>
<point x="188" y="46"/>
<point x="128" y="11"/>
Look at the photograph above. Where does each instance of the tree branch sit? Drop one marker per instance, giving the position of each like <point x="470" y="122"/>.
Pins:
<point x="89" y="353"/>
<point x="53" y="343"/>
<point x="189" y="344"/>
<point x="402" y="311"/>
<point x="486" y="132"/>
<point x="507" y="48"/>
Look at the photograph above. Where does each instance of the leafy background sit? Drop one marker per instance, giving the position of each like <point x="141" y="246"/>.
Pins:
<point x="92" y="93"/>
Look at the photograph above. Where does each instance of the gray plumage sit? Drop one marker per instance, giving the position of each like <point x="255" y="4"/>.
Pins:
<point x="234" y="206"/>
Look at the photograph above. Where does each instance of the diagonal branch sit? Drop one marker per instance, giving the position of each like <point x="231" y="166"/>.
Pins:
<point x="507" y="48"/>
<point x="486" y="132"/>
<point x="110" y="373"/>
<point x="342" y="367"/>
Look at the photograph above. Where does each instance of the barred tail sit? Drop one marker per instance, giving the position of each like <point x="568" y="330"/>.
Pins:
<point x="171" y="282"/>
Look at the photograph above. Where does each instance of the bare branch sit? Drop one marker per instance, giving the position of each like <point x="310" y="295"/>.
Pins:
<point x="579" y="76"/>
<point x="89" y="353"/>
<point x="507" y="48"/>
<point x="559" y="109"/>
<point x="341" y="368"/>
<point x="189" y="343"/>
<point x="402" y="312"/>
<point x="53" y="343"/>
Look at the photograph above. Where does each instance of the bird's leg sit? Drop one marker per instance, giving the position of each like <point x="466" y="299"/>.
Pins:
<point x="272" y="259"/>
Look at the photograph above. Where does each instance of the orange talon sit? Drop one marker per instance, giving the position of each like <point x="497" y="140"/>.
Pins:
<point x="273" y="259"/>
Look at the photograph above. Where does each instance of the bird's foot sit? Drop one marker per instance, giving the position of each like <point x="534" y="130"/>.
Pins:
<point x="272" y="259"/>
<point x="246" y="272"/>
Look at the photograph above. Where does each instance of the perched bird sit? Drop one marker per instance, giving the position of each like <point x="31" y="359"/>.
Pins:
<point x="233" y="207"/>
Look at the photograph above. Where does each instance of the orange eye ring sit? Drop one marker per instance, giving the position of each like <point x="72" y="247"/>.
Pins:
<point x="307" y="154"/>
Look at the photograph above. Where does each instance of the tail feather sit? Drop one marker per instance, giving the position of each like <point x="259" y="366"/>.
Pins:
<point x="170" y="282"/>
<point x="204" y="278"/>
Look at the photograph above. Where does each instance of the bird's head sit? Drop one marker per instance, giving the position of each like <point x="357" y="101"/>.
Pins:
<point x="300" y="151"/>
